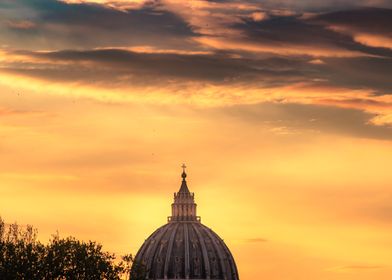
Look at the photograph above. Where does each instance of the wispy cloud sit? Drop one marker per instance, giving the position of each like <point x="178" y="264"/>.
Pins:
<point x="357" y="267"/>
<point x="256" y="240"/>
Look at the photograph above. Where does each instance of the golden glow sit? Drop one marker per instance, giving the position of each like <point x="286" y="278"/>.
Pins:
<point x="290" y="165"/>
<point x="107" y="172"/>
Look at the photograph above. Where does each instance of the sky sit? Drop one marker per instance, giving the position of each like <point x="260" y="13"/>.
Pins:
<point x="282" y="111"/>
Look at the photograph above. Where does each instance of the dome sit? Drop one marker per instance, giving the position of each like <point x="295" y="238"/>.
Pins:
<point x="184" y="248"/>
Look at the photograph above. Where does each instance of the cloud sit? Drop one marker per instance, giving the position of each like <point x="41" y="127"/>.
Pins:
<point x="125" y="66"/>
<point x="215" y="78"/>
<point x="322" y="6"/>
<point x="359" y="72"/>
<point x="258" y="16"/>
<point x="316" y="61"/>
<point x="88" y="26"/>
<point x="256" y="240"/>
<point x="37" y="176"/>
<point x="374" y="40"/>
<point x="136" y="66"/>
<point x="367" y="26"/>
<point x="356" y="267"/>
<point x="300" y="5"/>
<point x="194" y="26"/>
<point x="368" y="20"/>
<point x="229" y="53"/>
<point x="5" y="112"/>
<point x="23" y="25"/>
<point x="116" y="4"/>
<point x="316" y="118"/>
<point x="212" y="17"/>
<point x="293" y="34"/>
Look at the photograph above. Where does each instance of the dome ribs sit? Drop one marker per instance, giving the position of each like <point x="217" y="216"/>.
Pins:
<point x="204" y="251"/>
<point x="186" y="243"/>
<point x="142" y="250"/>
<point x="152" y="248"/>
<point x="218" y="250"/>
<point x="230" y="259"/>
<point x="169" y="250"/>
<point x="187" y="250"/>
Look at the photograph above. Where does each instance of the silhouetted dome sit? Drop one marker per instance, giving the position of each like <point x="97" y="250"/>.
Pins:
<point x="184" y="248"/>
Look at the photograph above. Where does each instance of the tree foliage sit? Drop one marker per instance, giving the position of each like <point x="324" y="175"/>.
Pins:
<point x="23" y="257"/>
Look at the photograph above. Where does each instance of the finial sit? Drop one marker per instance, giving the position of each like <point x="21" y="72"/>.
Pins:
<point x="183" y="175"/>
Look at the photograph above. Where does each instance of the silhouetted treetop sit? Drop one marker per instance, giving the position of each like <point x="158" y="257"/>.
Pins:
<point x="23" y="257"/>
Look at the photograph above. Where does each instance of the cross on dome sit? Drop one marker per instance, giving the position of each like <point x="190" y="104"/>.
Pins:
<point x="183" y="175"/>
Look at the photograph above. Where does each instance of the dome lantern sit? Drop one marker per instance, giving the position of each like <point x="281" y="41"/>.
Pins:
<point x="184" y="206"/>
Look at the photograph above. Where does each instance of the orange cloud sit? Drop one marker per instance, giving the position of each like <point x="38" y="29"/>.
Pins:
<point x="259" y="16"/>
<point x="378" y="41"/>
<point x="202" y="94"/>
<point x="367" y="39"/>
<point x="117" y="4"/>
<point x="224" y="43"/>
<point x="24" y="24"/>
<point x="317" y="61"/>
<point x="154" y="50"/>
<point x="211" y="18"/>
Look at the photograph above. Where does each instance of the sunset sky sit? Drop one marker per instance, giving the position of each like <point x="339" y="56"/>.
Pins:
<point x="281" y="109"/>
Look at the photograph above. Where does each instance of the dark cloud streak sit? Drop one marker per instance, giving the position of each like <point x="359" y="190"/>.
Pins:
<point x="327" y="119"/>
<point x="292" y="31"/>
<point x="111" y="65"/>
<point x="61" y="26"/>
<point x="374" y="20"/>
<point x="219" y="68"/>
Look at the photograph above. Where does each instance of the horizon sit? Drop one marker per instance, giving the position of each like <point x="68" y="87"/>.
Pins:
<point x="281" y="110"/>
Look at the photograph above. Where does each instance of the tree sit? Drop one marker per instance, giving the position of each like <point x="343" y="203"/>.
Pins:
<point x="22" y="257"/>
